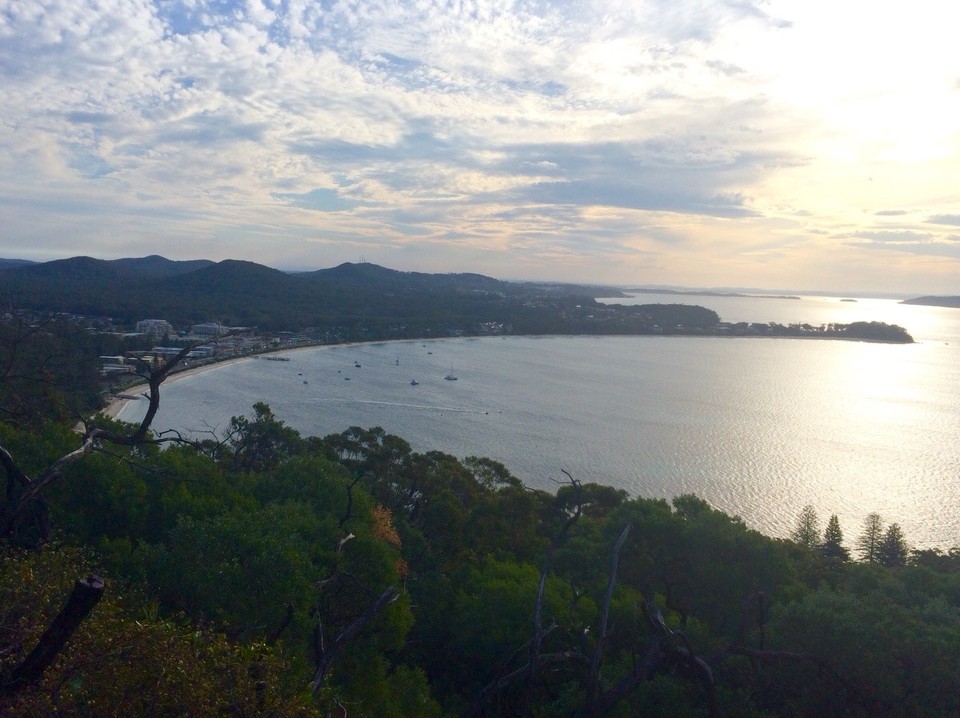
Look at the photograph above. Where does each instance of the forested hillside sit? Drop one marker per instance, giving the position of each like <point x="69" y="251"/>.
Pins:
<point x="261" y="572"/>
<point x="246" y="294"/>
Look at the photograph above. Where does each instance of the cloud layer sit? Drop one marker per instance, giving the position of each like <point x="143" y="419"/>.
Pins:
<point x="679" y="142"/>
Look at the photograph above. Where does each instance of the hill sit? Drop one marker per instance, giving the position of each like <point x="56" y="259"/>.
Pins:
<point x="360" y="302"/>
<point x="934" y="301"/>
<point x="5" y="263"/>
<point x="352" y="297"/>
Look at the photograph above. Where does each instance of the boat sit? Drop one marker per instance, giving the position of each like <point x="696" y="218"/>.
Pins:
<point x="413" y="382"/>
<point x="305" y="381"/>
<point x="450" y="377"/>
<point x="356" y="364"/>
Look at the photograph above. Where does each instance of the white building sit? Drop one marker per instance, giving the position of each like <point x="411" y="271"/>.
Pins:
<point x="156" y="328"/>
<point x="208" y="329"/>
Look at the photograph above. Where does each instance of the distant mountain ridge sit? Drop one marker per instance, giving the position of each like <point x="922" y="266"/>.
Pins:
<point x="5" y="263"/>
<point x="353" y="302"/>
<point x="244" y="293"/>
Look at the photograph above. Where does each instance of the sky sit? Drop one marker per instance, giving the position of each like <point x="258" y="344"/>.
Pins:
<point x="785" y="144"/>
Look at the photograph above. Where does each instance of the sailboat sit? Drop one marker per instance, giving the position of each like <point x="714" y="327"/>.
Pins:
<point x="451" y="376"/>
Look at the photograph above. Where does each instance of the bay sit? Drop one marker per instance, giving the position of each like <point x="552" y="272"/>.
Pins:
<point x="759" y="427"/>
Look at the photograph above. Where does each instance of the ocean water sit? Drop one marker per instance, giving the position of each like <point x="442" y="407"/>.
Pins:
<point x="759" y="427"/>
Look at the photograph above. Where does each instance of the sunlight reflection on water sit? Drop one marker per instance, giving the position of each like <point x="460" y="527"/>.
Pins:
<point x="758" y="427"/>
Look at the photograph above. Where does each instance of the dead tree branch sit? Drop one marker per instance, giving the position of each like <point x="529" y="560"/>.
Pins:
<point x="25" y="494"/>
<point x="84" y="596"/>
<point x="593" y="679"/>
<point x="545" y="567"/>
<point x="328" y="654"/>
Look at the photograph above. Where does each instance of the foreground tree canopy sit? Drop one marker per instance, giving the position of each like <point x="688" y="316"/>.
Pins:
<point x="266" y="573"/>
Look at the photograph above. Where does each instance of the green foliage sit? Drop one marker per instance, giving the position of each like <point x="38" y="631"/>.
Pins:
<point x="49" y="369"/>
<point x="807" y="531"/>
<point x="262" y="443"/>
<point x="124" y="660"/>
<point x="239" y="560"/>
<point x="832" y="546"/>
<point x="868" y="543"/>
<point x="893" y="550"/>
<point x="879" y="653"/>
<point x="239" y="569"/>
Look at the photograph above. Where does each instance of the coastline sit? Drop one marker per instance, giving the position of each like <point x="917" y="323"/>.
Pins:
<point x="113" y="409"/>
<point x="116" y="405"/>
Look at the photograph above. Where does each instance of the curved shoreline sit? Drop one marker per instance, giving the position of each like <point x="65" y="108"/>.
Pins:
<point x="115" y="407"/>
<point x="117" y="404"/>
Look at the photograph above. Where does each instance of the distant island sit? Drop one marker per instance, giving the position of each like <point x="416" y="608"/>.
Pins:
<point x="953" y="302"/>
<point x="707" y="293"/>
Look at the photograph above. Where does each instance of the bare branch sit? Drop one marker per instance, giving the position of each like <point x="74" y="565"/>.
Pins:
<point x="541" y="587"/>
<point x="593" y="680"/>
<point x="85" y="595"/>
<point x="328" y="655"/>
<point x="17" y="505"/>
<point x="501" y="682"/>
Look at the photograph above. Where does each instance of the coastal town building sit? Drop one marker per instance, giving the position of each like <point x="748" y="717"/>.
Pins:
<point x="155" y="328"/>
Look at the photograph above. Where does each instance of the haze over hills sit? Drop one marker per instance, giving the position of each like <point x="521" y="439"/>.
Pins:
<point x="935" y="301"/>
<point x="243" y="293"/>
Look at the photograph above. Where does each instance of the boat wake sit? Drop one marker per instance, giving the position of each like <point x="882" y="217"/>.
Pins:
<point x="405" y="405"/>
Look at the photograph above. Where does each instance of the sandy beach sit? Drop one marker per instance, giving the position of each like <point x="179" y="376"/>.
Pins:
<point x="116" y="405"/>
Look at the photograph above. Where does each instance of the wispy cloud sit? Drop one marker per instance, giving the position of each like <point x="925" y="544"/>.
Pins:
<point x="591" y="140"/>
<point x="952" y="220"/>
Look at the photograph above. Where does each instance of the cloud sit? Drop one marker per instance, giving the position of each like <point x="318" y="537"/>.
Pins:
<point x="450" y="131"/>
<point x="898" y="237"/>
<point x="319" y="200"/>
<point x="952" y="220"/>
<point x="912" y="242"/>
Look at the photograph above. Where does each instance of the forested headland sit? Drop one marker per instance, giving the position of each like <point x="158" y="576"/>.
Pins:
<point x="365" y="302"/>
<point x="262" y="572"/>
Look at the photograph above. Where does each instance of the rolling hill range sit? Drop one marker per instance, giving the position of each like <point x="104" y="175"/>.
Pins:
<point x="241" y="293"/>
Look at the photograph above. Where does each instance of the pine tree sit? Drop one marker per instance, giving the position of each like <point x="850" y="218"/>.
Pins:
<point x="832" y="546"/>
<point x="868" y="544"/>
<point x="807" y="532"/>
<point x="893" y="549"/>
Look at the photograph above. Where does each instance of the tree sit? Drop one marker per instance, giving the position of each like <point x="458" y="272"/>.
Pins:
<point x="868" y="544"/>
<point x="262" y="443"/>
<point x="832" y="546"/>
<point x="893" y="550"/>
<point x="807" y="531"/>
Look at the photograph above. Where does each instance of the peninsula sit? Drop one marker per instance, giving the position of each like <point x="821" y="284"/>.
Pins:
<point x="362" y="302"/>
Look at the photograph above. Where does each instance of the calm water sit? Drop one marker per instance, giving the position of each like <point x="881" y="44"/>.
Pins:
<point x="758" y="427"/>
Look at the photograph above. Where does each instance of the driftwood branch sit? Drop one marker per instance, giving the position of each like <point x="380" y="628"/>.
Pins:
<point x="84" y="596"/>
